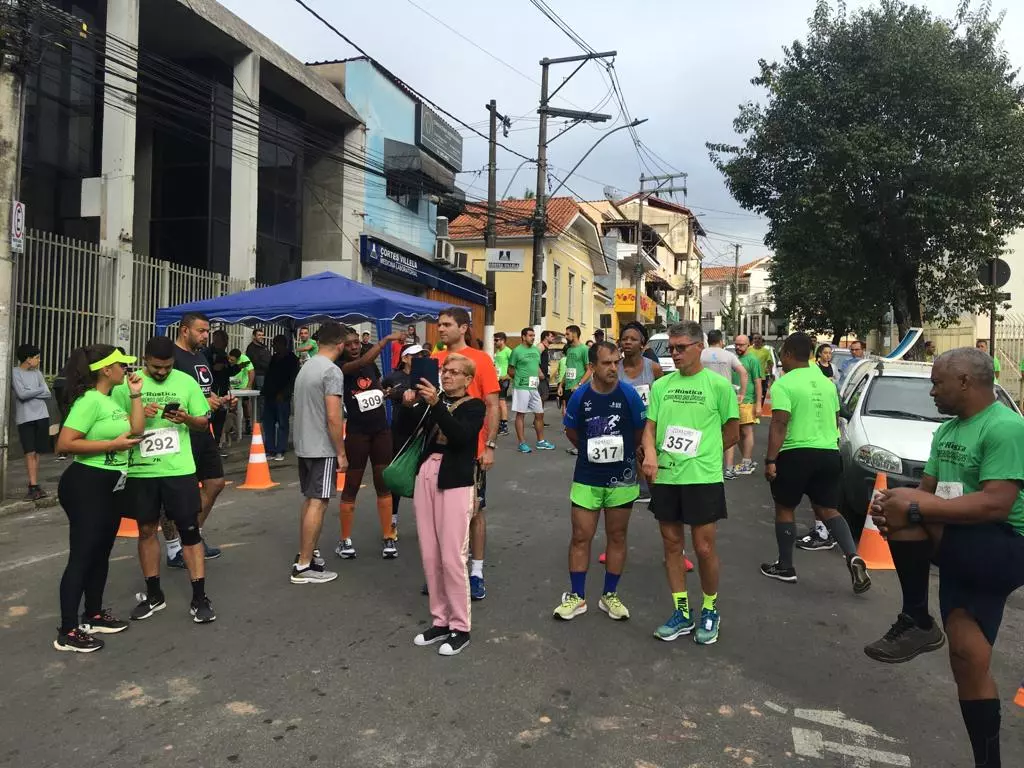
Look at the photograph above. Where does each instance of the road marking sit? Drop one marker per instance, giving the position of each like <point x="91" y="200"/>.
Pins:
<point x="775" y="707"/>
<point x="839" y="720"/>
<point x="31" y="561"/>
<point x="812" y="744"/>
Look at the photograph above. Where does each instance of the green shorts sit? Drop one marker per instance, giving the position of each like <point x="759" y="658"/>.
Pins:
<point x="595" y="498"/>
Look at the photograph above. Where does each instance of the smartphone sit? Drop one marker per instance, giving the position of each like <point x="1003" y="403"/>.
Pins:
<point x="425" y="368"/>
<point x="171" y="407"/>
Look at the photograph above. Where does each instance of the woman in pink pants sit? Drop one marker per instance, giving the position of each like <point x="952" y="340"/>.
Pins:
<point x="443" y="501"/>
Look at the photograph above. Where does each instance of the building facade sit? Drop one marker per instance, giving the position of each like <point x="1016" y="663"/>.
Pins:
<point x="755" y="307"/>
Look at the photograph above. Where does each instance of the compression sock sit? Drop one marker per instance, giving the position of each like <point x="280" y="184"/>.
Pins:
<point x="785" y="537"/>
<point x="611" y="582"/>
<point x="682" y="603"/>
<point x="173" y="548"/>
<point x="153" y="587"/>
<point x="578" y="582"/>
<point x="348" y="514"/>
<point x="198" y="589"/>
<point x="476" y="568"/>
<point x="840" y="530"/>
<point x="710" y="602"/>
<point x="982" y="720"/>
<point x="913" y="565"/>
<point x="387" y="530"/>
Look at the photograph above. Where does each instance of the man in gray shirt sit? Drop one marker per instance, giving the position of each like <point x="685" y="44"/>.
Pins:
<point x="31" y="414"/>
<point x="320" y="447"/>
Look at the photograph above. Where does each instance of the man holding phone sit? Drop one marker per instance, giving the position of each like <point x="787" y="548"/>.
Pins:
<point x="162" y="475"/>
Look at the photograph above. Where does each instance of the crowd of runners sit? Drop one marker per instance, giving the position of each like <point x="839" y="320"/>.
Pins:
<point x="144" y="448"/>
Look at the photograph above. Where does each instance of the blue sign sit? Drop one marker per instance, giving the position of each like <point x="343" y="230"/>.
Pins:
<point x="376" y="254"/>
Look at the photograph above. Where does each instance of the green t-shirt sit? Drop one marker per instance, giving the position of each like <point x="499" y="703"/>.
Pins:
<point x="99" y="417"/>
<point x="764" y="357"/>
<point x="501" y="361"/>
<point x="995" y="367"/>
<point x="241" y="379"/>
<point x="178" y="388"/>
<point x="526" y="361"/>
<point x="812" y="403"/>
<point x="968" y="452"/>
<point x="314" y="348"/>
<point x="577" y="358"/>
<point x="689" y="412"/>
<point x="754" y="371"/>
<point x="560" y="376"/>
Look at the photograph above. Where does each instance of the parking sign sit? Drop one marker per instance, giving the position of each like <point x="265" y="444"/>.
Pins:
<point x="18" y="227"/>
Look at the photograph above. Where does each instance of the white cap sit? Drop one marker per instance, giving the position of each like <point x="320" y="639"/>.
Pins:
<point x="415" y="349"/>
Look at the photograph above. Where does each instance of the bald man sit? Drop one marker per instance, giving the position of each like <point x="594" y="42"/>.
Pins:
<point x="967" y="516"/>
<point x="750" y="407"/>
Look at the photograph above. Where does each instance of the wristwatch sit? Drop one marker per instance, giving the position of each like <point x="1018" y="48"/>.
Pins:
<point x="490" y="444"/>
<point x="914" y="514"/>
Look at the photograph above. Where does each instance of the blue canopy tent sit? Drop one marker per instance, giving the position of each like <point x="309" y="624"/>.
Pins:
<point x="316" y="298"/>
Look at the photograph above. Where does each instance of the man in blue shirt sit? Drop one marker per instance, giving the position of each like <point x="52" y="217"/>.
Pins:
<point x="604" y="419"/>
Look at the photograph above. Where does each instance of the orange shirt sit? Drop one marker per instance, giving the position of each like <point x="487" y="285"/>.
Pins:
<point x="485" y="381"/>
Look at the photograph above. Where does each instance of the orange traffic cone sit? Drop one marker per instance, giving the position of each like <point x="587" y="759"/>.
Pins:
<point x="340" y="482"/>
<point x="1019" y="698"/>
<point x="257" y="474"/>
<point x="128" y="529"/>
<point x="766" y="406"/>
<point x="873" y="548"/>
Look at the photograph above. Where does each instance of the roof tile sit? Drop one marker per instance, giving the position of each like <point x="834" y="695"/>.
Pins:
<point x="515" y="218"/>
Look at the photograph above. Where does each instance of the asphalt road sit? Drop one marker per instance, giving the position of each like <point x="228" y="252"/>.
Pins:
<point x="328" y="675"/>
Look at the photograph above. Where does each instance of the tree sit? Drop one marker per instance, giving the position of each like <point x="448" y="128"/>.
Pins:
<point x="889" y="162"/>
<point x="528" y="194"/>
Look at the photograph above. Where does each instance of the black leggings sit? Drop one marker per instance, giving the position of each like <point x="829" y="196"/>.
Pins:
<point x="87" y="496"/>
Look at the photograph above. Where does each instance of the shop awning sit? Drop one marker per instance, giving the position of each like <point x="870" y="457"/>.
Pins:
<point x="406" y="160"/>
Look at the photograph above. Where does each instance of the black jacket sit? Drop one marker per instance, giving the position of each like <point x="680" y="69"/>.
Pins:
<point x="280" y="377"/>
<point x="461" y="430"/>
<point x="259" y="355"/>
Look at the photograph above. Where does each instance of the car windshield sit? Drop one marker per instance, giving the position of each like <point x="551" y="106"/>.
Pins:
<point x="659" y="347"/>
<point x="902" y="397"/>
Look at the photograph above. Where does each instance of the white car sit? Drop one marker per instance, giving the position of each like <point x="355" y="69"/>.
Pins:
<point x="658" y="344"/>
<point x="886" y="421"/>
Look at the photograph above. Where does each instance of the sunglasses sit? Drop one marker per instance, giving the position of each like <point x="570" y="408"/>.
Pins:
<point x="681" y="348"/>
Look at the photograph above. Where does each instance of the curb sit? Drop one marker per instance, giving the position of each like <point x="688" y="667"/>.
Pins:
<point x="12" y="508"/>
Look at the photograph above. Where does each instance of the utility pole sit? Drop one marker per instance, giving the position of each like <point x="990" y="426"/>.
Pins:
<point x="736" y="292"/>
<point x="638" y="269"/>
<point x="491" y="231"/>
<point x="540" y="208"/>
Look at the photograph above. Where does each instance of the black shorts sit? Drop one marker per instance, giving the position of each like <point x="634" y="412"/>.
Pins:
<point x="563" y="399"/>
<point x="688" y="504"/>
<point x="481" y="487"/>
<point x="207" y="456"/>
<point x="979" y="567"/>
<point x="318" y="477"/>
<point x="35" y="436"/>
<point x="505" y="387"/>
<point x="176" y="497"/>
<point x="813" y="472"/>
<point x="374" y="447"/>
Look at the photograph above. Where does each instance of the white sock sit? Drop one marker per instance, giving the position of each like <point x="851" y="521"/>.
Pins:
<point x="173" y="548"/>
<point x="821" y="529"/>
<point x="476" y="568"/>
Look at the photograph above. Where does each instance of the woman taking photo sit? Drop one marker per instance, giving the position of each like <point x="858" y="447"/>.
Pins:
<point x="396" y="384"/>
<point x="444" y="498"/>
<point x="99" y="434"/>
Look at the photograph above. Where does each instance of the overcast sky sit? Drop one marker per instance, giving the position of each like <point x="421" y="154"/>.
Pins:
<point x="685" y="66"/>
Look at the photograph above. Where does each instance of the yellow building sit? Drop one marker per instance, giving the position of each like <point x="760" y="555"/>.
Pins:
<point x="572" y="258"/>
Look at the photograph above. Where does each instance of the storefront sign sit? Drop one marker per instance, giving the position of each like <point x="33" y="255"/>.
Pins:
<point x="505" y="259"/>
<point x="376" y="254"/>
<point x="437" y="137"/>
<point x="625" y="301"/>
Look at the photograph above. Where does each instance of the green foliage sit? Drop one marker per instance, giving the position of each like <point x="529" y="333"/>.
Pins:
<point x="889" y="160"/>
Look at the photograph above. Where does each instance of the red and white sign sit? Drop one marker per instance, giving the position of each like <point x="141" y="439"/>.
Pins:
<point x="18" y="227"/>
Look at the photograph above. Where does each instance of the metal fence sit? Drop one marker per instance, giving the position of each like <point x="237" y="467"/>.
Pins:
<point x="1009" y="347"/>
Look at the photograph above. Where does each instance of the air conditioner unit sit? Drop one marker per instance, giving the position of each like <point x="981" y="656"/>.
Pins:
<point x="460" y="260"/>
<point x="442" y="227"/>
<point x="444" y="252"/>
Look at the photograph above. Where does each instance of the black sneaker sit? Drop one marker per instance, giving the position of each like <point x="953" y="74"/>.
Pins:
<point x="858" y="574"/>
<point x="777" y="572"/>
<point x="431" y="636"/>
<point x="77" y="641"/>
<point x="202" y="611"/>
<point x="103" y="623"/>
<point x="812" y="542"/>
<point x="390" y="551"/>
<point x="147" y="606"/>
<point x="454" y="645"/>
<point x="904" y="641"/>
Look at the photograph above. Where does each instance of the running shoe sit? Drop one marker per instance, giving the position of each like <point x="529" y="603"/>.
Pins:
<point x="279" y="457"/>
<point x="147" y="606"/>
<point x="858" y="574"/>
<point x="346" y="550"/>
<point x="503" y="431"/>
<point x="454" y="645"/>
<point x="707" y="630"/>
<point x="210" y="553"/>
<point x="777" y="572"/>
<point x="572" y="605"/>
<point x="390" y="550"/>
<point x="424" y="590"/>
<point x="812" y="542"/>
<point x="642" y="499"/>
<point x="524" y="448"/>
<point x="62" y="457"/>
<point x="477" y="588"/>
<point x="431" y="636"/>
<point x="613" y="606"/>
<point x="77" y="641"/>
<point x="677" y="625"/>
<point x="573" y="451"/>
<point x="545" y="445"/>
<point x="746" y="469"/>
<point x="103" y="623"/>
<point x="729" y="474"/>
<point x="178" y="561"/>
<point x="314" y="573"/>
<point x="202" y="611"/>
<point x="317" y="559"/>
<point x="904" y="641"/>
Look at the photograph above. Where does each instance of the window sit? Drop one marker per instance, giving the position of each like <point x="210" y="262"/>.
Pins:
<point x="583" y="302"/>
<point x="572" y="293"/>
<point x="557" y="274"/>
<point x="721" y="291"/>
<point x="403" y="194"/>
<point x="744" y="289"/>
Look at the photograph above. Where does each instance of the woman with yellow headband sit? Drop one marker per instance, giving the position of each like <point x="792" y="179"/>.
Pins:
<point x="99" y="434"/>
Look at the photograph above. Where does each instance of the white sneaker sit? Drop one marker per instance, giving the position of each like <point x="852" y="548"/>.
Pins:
<point x="346" y="550"/>
<point x="312" y="574"/>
